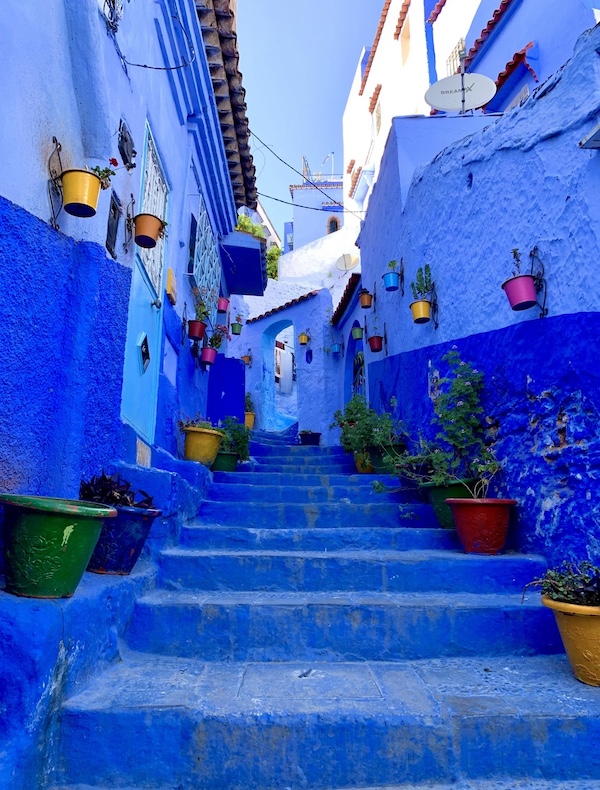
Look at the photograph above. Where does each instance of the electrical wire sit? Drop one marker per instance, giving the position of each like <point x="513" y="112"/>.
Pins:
<point x="297" y="205"/>
<point x="312" y="183"/>
<point x="167" y="68"/>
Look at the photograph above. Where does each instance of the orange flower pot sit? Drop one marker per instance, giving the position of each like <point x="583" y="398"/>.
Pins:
<point x="147" y="230"/>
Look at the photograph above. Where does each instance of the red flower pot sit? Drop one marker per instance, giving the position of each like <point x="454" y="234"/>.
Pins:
<point x="375" y="342"/>
<point x="196" y="329"/>
<point x="521" y="291"/>
<point x="222" y="304"/>
<point x="481" y="524"/>
<point x="208" y="355"/>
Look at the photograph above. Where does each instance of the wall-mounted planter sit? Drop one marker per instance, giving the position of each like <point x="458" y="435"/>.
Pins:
<point x="521" y="291"/>
<point x="208" y="355"/>
<point x="222" y="304"/>
<point x="236" y="329"/>
<point x="365" y="298"/>
<point x="81" y="190"/>
<point x="391" y="281"/>
<point x="196" y="329"/>
<point x="147" y="230"/>
<point x="421" y="311"/>
<point x="201" y="444"/>
<point x="375" y="342"/>
<point x="303" y="339"/>
<point x="336" y="348"/>
<point x="357" y="332"/>
<point x="249" y="418"/>
<point x="246" y="359"/>
<point x="48" y="543"/>
<point x="121" y="540"/>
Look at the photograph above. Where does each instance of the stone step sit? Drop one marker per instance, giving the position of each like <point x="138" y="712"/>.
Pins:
<point x="347" y="570"/>
<point x="297" y="451"/>
<point x="339" y="626"/>
<point x="155" y="723"/>
<point x="304" y="466"/>
<point x="292" y="479"/>
<point x="324" y="514"/>
<point x="475" y="784"/>
<point x="250" y="492"/>
<point x="211" y="536"/>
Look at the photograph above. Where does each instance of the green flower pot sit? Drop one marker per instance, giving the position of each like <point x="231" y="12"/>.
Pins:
<point x="224" y="462"/>
<point x="437" y="497"/>
<point x="48" y="543"/>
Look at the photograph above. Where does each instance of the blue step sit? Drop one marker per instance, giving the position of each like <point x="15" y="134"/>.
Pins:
<point x="462" y="723"/>
<point x="379" y="570"/>
<point x="339" y="626"/>
<point x="294" y="478"/>
<point x="297" y="451"/>
<point x="305" y="466"/>
<point x="251" y="492"/>
<point x="206" y="536"/>
<point x="325" y="514"/>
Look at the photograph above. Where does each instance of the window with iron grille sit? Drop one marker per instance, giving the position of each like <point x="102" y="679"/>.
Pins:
<point x="453" y="62"/>
<point x="154" y="201"/>
<point x="204" y="267"/>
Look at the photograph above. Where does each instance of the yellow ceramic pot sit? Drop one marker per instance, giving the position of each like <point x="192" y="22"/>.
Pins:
<point x="202" y="445"/>
<point x="421" y="311"/>
<point x="303" y="339"/>
<point x="80" y="192"/>
<point x="147" y="230"/>
<point x="363" y="464"/>
<point x="579" y="628"/>
<point x="249" y="419"/>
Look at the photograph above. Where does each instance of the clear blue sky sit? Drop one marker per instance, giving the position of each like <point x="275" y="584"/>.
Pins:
<point x="298" y="59"/>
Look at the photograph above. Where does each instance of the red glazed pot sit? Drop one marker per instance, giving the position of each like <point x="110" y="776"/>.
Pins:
<point x="222" y="304"/>
<point x="481" y="524"/>
<point x="196" y="329"/>
<point x="521" y="291"/>
<point x="375" y="342"/>
<point x="208" y="355"/>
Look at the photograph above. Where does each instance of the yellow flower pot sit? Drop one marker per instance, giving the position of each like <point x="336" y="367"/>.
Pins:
<point x="303" y="339"/>
<point x="363" y="464"/>
<point x="80" y="192"/>
<point x="249" y="419"/>
<point x="147" y="230"/>
<point x="202" y="444"/>
<point x="579" y="628"/>
<point x="421" y="311"/>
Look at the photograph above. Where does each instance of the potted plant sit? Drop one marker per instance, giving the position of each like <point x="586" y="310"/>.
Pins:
<point x="520" y="288"/>
<point x="367" y="434"/>
<point x="222" y="304"/>
<point x="122" y="538"/>
<point x="336" y="348"/>
<point x="215" y="341"/>
<point x="572" y="591"/>
<point x="310" y="438"/>
<point x="236" y="326"/>
<point x="422" y="289"/>
<point x="365" y="298"/>
<point x="391" y="279"/>
<point x="357" y="332"/>
<point x="235" y="445"/>
<point x="81" y="188"/>
<point x="148" y="229"/>
<point x="202" y="441"/>
<point x="48" y="543"/>
<point x="197" y="326"/>
<point x="250" y="415"/>
<point x="245" y="224"/>
<point x="304" y="338"/>
<point x="375" y="341"/>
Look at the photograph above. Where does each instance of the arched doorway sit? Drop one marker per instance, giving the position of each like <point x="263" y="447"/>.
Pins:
<point x="279" y="390"/>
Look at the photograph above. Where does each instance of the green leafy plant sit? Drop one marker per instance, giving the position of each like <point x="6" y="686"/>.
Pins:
<point x="248" y="402"/>
<point x="577" y="583"/>
<point x="392" y="265"/>
<point x="363" y="429"/>
<point x="105" y="173"/>
<point x="273" y="256"/>
<point x="239" y="318"/>
<point x="245" y="223"/>
<point x="236" y="438"/>
<point x="113" y="490"/>
<point x="516" y="262"/>
<point x="195" y="422"/>
<point x="219" y="334"/>
<point x="423" y="285"/>
<point x="200" y="307"/>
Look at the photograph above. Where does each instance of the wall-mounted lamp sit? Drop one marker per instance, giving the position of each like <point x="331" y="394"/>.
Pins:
<point x="304" y="338"/>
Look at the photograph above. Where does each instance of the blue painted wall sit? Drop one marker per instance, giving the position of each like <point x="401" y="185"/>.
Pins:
<point x="521" y="182"/>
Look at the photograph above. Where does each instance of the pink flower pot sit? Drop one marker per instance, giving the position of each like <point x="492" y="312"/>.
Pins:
<point x="521" y="291"/>
<point x="208" y="355"/>
<point x="222" y="304"/>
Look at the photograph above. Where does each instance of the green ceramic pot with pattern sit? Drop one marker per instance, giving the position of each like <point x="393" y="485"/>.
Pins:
<point x="48" y="543"/>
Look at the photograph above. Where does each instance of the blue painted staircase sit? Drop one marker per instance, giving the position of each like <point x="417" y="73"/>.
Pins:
<point x="308" y="633"/>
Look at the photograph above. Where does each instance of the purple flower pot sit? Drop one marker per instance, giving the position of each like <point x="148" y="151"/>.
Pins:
<point x="521" y="291"/>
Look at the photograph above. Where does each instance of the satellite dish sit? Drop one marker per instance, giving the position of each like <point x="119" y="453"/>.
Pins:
<point x="347" y="262"/>
<point x="448" y="94"/>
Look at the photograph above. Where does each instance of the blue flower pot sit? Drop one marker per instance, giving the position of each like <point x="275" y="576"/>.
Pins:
<point x="336" y="348"/>
<point x="391" y="280"/>
<point x="122" y="540"/>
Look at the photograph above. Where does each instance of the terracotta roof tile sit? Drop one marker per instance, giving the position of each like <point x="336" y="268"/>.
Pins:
<point x="374" y="98"/>
<point x="346" y="297"/>
<point x="354" y="182"/>
<point x="487" y="30"/>
<point x="402" y="18"/>
<point x="350" y="166"/>
<point x="437" y="10"/>
<point x="382" y="18"/>
<point x="292" y="302"/>
<point x="518" y="58"/>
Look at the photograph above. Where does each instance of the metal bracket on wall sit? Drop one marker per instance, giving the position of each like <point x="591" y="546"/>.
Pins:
<point x="55" y="191"/>
<point x="401" y="276"/>
<point x="129" y="214"/>
<point x="434" y="307"/>
<point x="539" y="279"/>
<point x="385" y="338"/>
<point x="374" y="296"/>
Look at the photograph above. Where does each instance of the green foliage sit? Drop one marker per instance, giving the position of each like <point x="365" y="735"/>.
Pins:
<point x="392" y="265"/>
<point x="273" y="255"/>
<point x="195" y="422"/>
<point x="219" y="334"/>
<point x="423" y="285"/>
<point x="571" y="583"/>
<point x="248" y="402"/>
<point x="245" y="223"/>
<point x="517" y="262"/>
<point x="113" y="490"/>
<point x="364" y="429"/>
<point x="104" y="174"/>
<point x="236" y="438"/>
